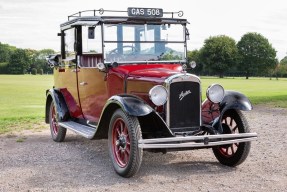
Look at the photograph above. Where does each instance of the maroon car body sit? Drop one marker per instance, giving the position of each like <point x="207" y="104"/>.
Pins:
<point x="123" y="78"/>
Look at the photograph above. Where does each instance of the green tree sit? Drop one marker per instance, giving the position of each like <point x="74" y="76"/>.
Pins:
<point x="34" y="71"/>
<point x="5" y="52"/>
<point x="256" y="54"/>
<point x="40" y="60"/>
<point x="284" y="61"/>
<point x="219" y="53"/>
<point x="19" y="62"/>
<point x="282" y="67"/>
<point x="40" y="71"/>
<point x="4" y="68"/>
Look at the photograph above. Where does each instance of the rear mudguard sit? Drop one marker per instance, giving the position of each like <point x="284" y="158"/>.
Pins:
<point x="133" y="106"/>
<point x="62" y="110"/>
<point x="232" y="100"/>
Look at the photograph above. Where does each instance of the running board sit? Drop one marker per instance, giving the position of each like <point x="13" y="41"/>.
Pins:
<point x="80" y="129"/>
<point x="196" y="141"/>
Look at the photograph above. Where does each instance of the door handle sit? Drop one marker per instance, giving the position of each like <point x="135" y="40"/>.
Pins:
<point x="75" y="70"/>
<point x="83" y="83"/>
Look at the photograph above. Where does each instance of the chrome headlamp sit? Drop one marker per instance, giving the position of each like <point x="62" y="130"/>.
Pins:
<point x="215" y="93"/>
<point x="158" y="95"/>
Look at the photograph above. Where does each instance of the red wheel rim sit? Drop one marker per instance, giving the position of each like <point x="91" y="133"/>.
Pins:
<point x="230" y="127"/>
<point x="54" y="122"/>
<point x="121" y="142"/>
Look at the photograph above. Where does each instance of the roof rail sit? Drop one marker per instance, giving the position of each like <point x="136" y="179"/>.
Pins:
<point x="101" y="11"/>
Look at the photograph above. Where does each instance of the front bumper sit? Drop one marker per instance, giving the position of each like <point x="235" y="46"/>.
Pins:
<point x="196" y="141"/>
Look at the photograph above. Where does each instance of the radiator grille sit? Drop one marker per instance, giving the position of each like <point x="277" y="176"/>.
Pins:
<point x="184" y="105"/>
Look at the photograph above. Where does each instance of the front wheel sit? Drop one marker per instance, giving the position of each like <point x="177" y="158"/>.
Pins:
<point x="234" y="154"/>
<point x="58" y="133"/>
<point x="124" y="133"/>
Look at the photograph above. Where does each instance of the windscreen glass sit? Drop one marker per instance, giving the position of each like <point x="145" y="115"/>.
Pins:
<point x="144" y="42"/>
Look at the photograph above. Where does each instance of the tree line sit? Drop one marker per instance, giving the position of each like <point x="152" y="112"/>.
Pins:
<point x="220" y="55"/>
<point x="253" y="55"/>
<point x="22" y="61"/>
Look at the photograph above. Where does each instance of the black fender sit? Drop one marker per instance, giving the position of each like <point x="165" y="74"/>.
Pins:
<point x="232" y="100"/>
<point x="235" y="100"/>
<point x="131" y="105"/>
<point x="62" y="110"/>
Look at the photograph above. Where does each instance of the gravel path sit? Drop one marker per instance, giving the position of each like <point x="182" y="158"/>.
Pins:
<point x="39" y="164"/>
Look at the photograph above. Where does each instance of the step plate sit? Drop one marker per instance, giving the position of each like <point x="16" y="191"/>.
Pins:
<point x="80" y="129"/>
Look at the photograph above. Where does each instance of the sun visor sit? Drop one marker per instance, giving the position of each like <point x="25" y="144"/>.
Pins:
<point x="82" y="22"/>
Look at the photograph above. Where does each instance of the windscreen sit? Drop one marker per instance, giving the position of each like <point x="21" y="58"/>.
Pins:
<point x="144" y="42"/>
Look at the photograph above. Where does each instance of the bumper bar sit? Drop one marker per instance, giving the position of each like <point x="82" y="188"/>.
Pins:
<point x="196" y="141"/>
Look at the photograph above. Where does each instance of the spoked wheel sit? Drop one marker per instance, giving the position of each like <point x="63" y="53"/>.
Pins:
<point x="234" y="154"/>
<point x="58" y="133"/>
<point x="124" y="133"/>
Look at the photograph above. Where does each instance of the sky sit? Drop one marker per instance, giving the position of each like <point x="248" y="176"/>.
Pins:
<point x="35" y="23"/>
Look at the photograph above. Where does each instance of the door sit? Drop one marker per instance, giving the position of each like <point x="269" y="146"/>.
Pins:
<point x="91" y="82"/>
<point x="65" y="76"/>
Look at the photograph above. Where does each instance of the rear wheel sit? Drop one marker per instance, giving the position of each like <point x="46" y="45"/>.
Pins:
<point x="124" y="133"/>
<point x="234" y="154"/>
<point x="58" y="133"/>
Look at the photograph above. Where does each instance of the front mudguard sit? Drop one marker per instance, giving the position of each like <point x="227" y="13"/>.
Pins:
<point x="235" y="100"/>
<point x="133" y="106"/>
<point x="62" y="110"/>
<point x="232" y="100"/>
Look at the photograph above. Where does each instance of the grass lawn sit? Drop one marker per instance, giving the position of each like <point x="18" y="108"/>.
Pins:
<point x="22" y="101"/>
<point x="22" y="97"/>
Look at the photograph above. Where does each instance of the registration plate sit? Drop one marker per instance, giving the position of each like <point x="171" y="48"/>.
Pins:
<point x="145" y="12"/>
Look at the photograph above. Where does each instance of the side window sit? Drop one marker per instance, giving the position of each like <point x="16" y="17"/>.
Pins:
<point x="92" y="46"/>
<point x="70" y="42"/>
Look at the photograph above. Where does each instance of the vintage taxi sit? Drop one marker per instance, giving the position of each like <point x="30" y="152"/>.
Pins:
<point x="121" y="76"/>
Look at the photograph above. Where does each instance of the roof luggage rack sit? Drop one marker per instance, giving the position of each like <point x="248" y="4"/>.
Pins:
<point x="154" y="12"/>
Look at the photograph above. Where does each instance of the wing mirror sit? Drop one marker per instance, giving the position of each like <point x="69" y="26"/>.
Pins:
<point x="53" y="61"/>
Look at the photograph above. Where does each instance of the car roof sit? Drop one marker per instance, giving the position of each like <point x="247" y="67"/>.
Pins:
<point x="78" y="19"/>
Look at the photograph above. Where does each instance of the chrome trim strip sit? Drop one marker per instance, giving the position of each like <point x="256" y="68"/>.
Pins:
<point x="180" y="77"/>
<point x="195" y="145"/>
<point x="196" y="138"/>
<point x="204" y="141"/>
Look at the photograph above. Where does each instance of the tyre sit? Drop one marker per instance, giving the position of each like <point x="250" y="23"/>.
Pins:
<point x="124" y="133"/>
<point x="234" y="154"/>
<point x="58" y="133"/>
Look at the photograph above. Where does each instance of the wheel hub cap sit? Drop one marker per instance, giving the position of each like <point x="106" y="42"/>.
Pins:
<point x="122" y="141"/>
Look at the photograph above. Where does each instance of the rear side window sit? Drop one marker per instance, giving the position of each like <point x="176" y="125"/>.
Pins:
<point x="70" y="42"/>
<point x="92" y="45"/>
